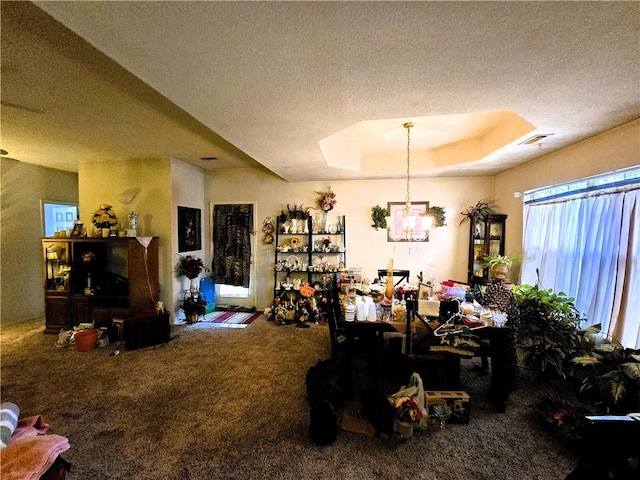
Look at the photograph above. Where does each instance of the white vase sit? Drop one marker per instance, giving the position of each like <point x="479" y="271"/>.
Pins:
<point x="105" y="232"/>
<point x="193" y="286"/>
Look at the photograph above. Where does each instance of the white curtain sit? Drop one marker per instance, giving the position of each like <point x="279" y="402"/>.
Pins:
<point x="587" y="248"/>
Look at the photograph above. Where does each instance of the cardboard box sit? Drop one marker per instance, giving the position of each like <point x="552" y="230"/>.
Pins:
<point x="455" y="402"/>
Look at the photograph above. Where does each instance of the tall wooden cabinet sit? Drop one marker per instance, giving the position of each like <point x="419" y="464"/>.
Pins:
<point x="486" y="237"/>
<point x="91" y="280"/>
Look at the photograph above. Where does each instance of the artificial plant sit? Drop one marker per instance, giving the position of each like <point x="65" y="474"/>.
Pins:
<point x="438" y="214"/>
<point x="379" y="217"/>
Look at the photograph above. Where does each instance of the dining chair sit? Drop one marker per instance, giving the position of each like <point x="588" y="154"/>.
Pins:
<point x="401" y="275"/>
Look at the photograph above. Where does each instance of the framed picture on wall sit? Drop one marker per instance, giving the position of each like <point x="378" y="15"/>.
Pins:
<point x="189" y="234"/>
<point x="396" y="233"/>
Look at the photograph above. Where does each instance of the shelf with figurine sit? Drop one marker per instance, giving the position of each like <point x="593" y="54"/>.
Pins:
<point x="303" y="250"/>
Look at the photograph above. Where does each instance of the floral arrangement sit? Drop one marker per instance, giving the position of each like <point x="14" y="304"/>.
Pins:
<point x="327" y="200"/>
<point x="104" y="217"/>
<point x="407" y="409"/>
<point x="189" y="266"/>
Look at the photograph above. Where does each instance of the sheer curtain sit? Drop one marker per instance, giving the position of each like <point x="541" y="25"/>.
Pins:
<point x="587" y="247"/>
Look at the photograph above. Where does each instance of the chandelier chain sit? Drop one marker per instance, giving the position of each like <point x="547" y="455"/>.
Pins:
<point x="408" y="126"/>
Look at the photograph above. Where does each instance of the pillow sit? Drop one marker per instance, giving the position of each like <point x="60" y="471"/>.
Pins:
<point x="9" y="413"/>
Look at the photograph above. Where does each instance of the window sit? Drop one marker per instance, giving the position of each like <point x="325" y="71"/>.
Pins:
<point x="582" y="238"/>
<point x="232" y="291"/>
<point x="57" y="216"/>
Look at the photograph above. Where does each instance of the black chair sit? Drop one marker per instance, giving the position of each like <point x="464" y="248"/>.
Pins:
<point x="351" y="341"/>
<point x="401" y="275"/>
<point x="418" y="351"/>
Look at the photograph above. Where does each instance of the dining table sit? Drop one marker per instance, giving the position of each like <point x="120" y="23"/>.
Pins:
<point x="495" y="347"/>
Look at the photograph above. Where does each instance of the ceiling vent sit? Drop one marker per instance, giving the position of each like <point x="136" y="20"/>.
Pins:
<point x="208" y="158"/>
<point x="535" y="139"/>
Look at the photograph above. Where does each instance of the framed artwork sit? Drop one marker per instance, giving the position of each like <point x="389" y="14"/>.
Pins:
<point x="425" y="291"/>
<point x="189" y="234"/>
<point x="396" y="211"/>
<point x="77" y="230"/>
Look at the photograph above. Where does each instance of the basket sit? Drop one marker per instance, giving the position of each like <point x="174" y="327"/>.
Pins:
<point x="86" y="340"/>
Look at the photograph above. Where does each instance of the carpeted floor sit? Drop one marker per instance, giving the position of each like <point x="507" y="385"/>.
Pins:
<point x="231" y="404"/>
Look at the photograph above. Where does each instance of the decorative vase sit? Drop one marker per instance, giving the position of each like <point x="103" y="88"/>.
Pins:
<point x="325" y="222"/>
<point x="105" y="232"/>
<point x="133" y="220"/>
<point x="193" y="286"/>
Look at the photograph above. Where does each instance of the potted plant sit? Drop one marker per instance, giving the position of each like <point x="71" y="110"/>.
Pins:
<point x="478" y="212"/>
<point x="548" y="330"/>
<point x="499" y="265"/>
<point x="609" y="374"/>
<point x="193" y="306"/>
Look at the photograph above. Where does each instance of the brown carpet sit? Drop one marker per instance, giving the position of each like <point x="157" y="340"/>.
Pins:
<point x="231" y="403"/>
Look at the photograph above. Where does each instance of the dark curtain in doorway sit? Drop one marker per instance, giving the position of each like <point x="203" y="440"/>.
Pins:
<point x="232" y="230"/>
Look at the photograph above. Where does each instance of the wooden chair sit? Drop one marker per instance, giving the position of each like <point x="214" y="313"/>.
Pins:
<point x="351" y="340"/>
<point x="418" y="351"/>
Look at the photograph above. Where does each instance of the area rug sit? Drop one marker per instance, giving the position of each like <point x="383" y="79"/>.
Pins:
<point x="231" y="319"/>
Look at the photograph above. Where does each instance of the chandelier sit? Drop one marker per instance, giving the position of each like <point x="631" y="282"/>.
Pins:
<point x="415" y="225"/>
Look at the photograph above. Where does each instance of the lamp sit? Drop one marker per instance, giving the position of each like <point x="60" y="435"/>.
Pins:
<point x="414" y="227"/>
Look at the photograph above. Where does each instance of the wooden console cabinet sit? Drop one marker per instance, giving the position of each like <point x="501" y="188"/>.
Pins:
<point x="93" y="280"/>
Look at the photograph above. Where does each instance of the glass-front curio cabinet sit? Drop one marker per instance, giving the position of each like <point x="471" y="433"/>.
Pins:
<point x="486" y="237"/>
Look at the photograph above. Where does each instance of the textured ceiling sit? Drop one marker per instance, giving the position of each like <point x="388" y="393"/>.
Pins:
<point x="266" y="82"/>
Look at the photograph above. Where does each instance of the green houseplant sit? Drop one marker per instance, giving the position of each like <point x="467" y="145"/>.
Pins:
<point x="499" y="265"/>
<point x="439" y="217"/>
<point x="548" y="330"/>
<point x="193" y="306"/>
<point x="608" y="373"/>
<point x="379" y="217"/>
<point x="478" y="212"/>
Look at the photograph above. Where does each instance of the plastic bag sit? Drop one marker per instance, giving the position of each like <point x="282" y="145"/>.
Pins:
<point x="409" y="404"/>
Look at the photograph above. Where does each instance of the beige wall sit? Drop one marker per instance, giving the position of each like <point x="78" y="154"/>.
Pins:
<point x="187" y="190"/>
<point x="616" y="149"/>
<point x="21" y="274"/>
<point x="162" y="185"/>
<point x="102" y="182"/>
<point x="366" y="247"/>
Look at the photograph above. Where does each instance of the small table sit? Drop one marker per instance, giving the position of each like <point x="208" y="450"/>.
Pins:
<point x="144" y="329"/>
